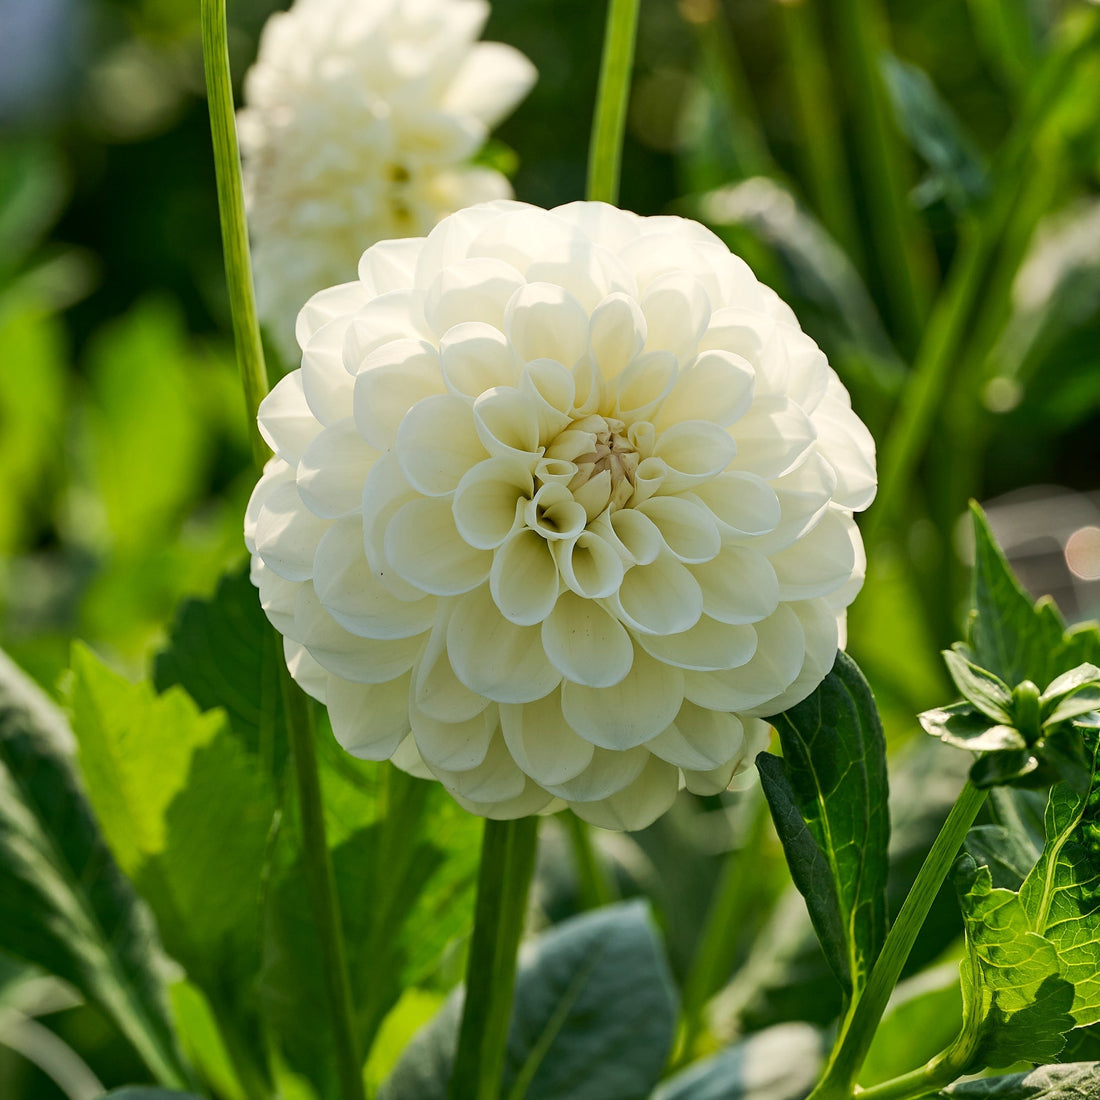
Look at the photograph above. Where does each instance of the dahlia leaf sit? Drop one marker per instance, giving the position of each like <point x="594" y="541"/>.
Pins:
<point x="834" y="758"/>
<point x="985" y="691"/>
<point x="593" y="1019"/>
<point x="1009" y="854"/>
<point x="1072" y="1081"/>
<point x="64" y="903"/>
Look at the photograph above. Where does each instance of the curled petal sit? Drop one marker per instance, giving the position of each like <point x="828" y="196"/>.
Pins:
<point x="607" y="773"/>
<point x="457" y="746"/>
<point x="507" y="423"/>
<point x="694" y="451"/>
<point x="388" y="264"/>
<point x="660" y="598"/>
<point x="423" y="544"/>
<point x="476" y="289"/>
<point x="700" y="739"/>
<point x="554" y="514"/>
<point x="643" y="385"/>
<point x="285" y="419"/>
<point x="476" y="357"/>
<point x="495" y="657"/>
<point x="585" y="643"/>
<point x="543" y="321"/>
<point x="716" y="386"/>
<point x="437" y="443"/>
<point x="686" y="526"/>
<point x="638" y="805"/>
<point x="488" y="500"/>
<point x="631" y="712"/>
<point x="524" y="578"/>
<point x="616" y="334"/>
<point x="738" y="586"/>
<point x="551" y="389"/>
<point x="819" y="562"/>
<point x="589" y="564"/>
<point x="708" y="646"/>
<point x="369" y="720"/>
<point x="326" y="305"/>
<point x="333" y="469"/>
<point x="393" y="379"/>
<point x="396" y="315"/>
<point x="541" y="742"/>
<point x="677" y="311"/>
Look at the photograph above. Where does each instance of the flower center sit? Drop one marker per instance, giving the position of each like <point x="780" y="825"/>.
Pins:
<point x="605" y="459"/>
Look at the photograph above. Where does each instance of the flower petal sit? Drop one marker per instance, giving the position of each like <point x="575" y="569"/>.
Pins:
<point x="437" y="443"/>
<point x="524" y="578"/>
<point x="456" y="746"/>
<point x="716" y="386"/>
<point x="328" y="304"/>
<point x="772" y="437"/>
<point x="700" y="739"/>
<point x="369" y="720"/>
<point x="385" y="492"/>
<point x="333" y="470"/>
<point x="285" y="419"/>
<point x="607" y="773"/>
<point x="423" y="544"/>
<point x="476" y="289"/>
<point x="477" y="357"/>
<point x="585" y="643"/>
<point x="820" y="561"/>
<point x="491" y="80"/>
<point x="589" y="564"/>
<point x="543" y="321"/>
<point x="644" y="384"/>
<point x="507" y="422"/>
<point x="287" y="533"/>
<point x="310" y="676"/>
<point x="738" y="586"/>
<point x="845" y="441"/>
<point x="630" y="713"/>
<point x="389" y="265"/>
<point x="437" y="691"/>
<point x="496" y="779"/>
<point x="706" y="647"/>
<point x="660" y="598"/>
<point x="487" y="500"/>
<point x="694" y="450"/>
<point x="677" y="311"/>
<point x="741" y="504"/>
<point x="541" y="742"/>
<point x="392" y="380"/>
<point x="638" y="805"/>
<point x="616" y="333"/>
<point x="687" y="527"/>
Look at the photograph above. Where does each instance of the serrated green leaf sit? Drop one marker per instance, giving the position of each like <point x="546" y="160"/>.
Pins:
<point x="834" y="758"/>
<point x="1061" y="895"/>
<point x="1073" y="1081"/>
<point x="989" y="693"/>
<point x="965" y="727"/>
<point x="593" y="1017"/>
<point x="64" y="903"/>
<point x="1016" y="1002"/>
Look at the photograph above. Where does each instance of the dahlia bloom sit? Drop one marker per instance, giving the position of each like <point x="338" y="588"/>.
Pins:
<point x="561" y="503"/>
<point x="359" y="123"/>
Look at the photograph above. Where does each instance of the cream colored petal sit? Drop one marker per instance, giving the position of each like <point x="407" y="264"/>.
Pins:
<point x="396" y="315"/>
<point x="531" y="800"/>
<point x="803" y="496"/>
<point x="650" y="477"/>
<point x="369" y="720"/>
<point x="849" y="447"/>
<point x="819" y="624"/>
<point x="589" y="565"/>
<point x="644" y="384"/>
<point x="607" y="773"/>
<point x="393" y="379"/>
<point x="551" y="389"/>
<point x="585" y="643"/>
<point x="385" y="492"/>
<point x="488" y="498"/>
<point x="741" y="504"/>
<point x="706" y="647"/>
<point x="807" y="367"/>
<point x="507" y="422"/>
<point x="660" y="598"/>
<point x="310" y="676"/>
<point x="616" y="334"/>
<point x="407" y="757"/>
<point x="710" y="781"/>
<point x="738" y="586"/>
<point x="287" y="533"/>
<point x="780" y="648"/>
<point x="716" y="386"/>
<point x="541" y="742"/>
<point x="458" y="746"/>
<point x="326" y="385"/>
<point x="438" y="692"/>
<point x="543" y="321"/>
<point x="524" y="578"/>
<point x="630" y="713"/>
<point x="389" y="265"/>
<point x="638" y="805"/>
<point x="820" y="561"/>
<point x="277" y="595"/>
<point x="351" y="592"/>
<point x="285" y="419"/>
<point x="589" y="272"/>
<point x="686" y="526"/>
<point x="471" y="290"/>
<point x="333" y="470"/>
<point x="694" y="451"/>
<point x="325" y="305"/>
<point x="423" y="544"/>
<point x="602" y="222"/>
<point x="554" y="513"/>
<point x="758" y="736"/>
<point x="477" y="357"/>
<point x="636" y="533"/>
<point x="493" y="656"/>
<point x="276" y="472"/>
<point x="364" y="660"/>
<point x="700" y="739"/>
<point x="744" y="332"/>
<point x="489" y="83"/>
<point x="437" y="443"/>
<point x="772" y="437"/>
<point x="451" y="238"/>
<point x="496" y="779"/>
<point x="677" y="311"/>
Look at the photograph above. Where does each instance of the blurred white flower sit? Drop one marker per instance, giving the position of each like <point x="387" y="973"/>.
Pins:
<point x="561" y="502"/>
<point x="361" y="117"/>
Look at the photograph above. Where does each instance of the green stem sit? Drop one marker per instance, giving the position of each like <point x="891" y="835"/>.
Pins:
<point x="250" y="360"/>
<point x="508" y="851"/>
<point x="902" y="257"/>
<point x="605" y="153"/>
<point x="854" y="1041"/>
<point x="935" y="1075"/>
<point x="238" y="261"/>
<point x="714" y="956"/>
<point x="594" y="886"/>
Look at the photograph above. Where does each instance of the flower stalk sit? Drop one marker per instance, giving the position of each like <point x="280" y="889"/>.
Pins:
<point x="854" y="1041"/>
<point x="508" y="852"/>
<point x="250" y="360"/>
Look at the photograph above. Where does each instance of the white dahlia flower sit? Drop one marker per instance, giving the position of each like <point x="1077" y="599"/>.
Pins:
<point x="561" y="503"/>
<point x="361" y="117"/>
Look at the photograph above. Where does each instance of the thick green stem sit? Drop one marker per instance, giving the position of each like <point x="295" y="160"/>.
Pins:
<point x="250" y="360"/>
<point x="854" y="1040"/>
<point x="935" y="1075"/>
<point x="507" y="863"/>
<point x="594" y="887"/>
<point x="605" y="153"/>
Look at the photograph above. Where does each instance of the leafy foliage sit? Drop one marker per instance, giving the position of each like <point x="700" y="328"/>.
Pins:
<point x="829" y="805"/>
<point x="1073" y="1081"/>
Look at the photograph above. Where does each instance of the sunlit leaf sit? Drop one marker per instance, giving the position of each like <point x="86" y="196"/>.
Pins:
<point x="1073" y="1081"/>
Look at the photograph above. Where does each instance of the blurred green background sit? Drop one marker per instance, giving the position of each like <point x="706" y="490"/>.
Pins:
<point x="918" y="179"/>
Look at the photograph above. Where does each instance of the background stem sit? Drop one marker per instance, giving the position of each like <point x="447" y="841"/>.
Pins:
<point x="508" y="851"/>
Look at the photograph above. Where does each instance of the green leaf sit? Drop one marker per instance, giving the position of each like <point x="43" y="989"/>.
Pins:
<point x="223" y="652"/>
<point x="593" y="1018"/>
<point x="834" y="759"/>
<point x="64" y="904"/>
<point x="187" y="814"/>
<point x="1074" y="1081"/>
<point x="781" y="1063"/>
<point x="1017" y="766"/>
<point x="1016" y="1003"/>
<point x="931" y="127"/>
<point x="1008" y="854"/>
<point x="963" y="726"/>
<point x="989" y="693"/>
<point x="1009" y="635"/>
<point x="1061" y="895"/>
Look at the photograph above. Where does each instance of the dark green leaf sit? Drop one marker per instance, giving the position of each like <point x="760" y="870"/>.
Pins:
<point x="935" y="133"/>
<point x="1022" y="813"/>
<point x="1008" y="766"/>
<point x="1008" y="854"/>
<point x="1074" y="1081"/>
<point x="834" y="757"/>
<point x="1082" y="701"/>
<point x="989" y="693"/>
<point x="222" y="651"/>
<point x="781" y="1063"/>
<point x="963" y="726"/>
<point x="64" y="904"/>
<point x="1063" y="749"/>
<point x="593" y="1019"/>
